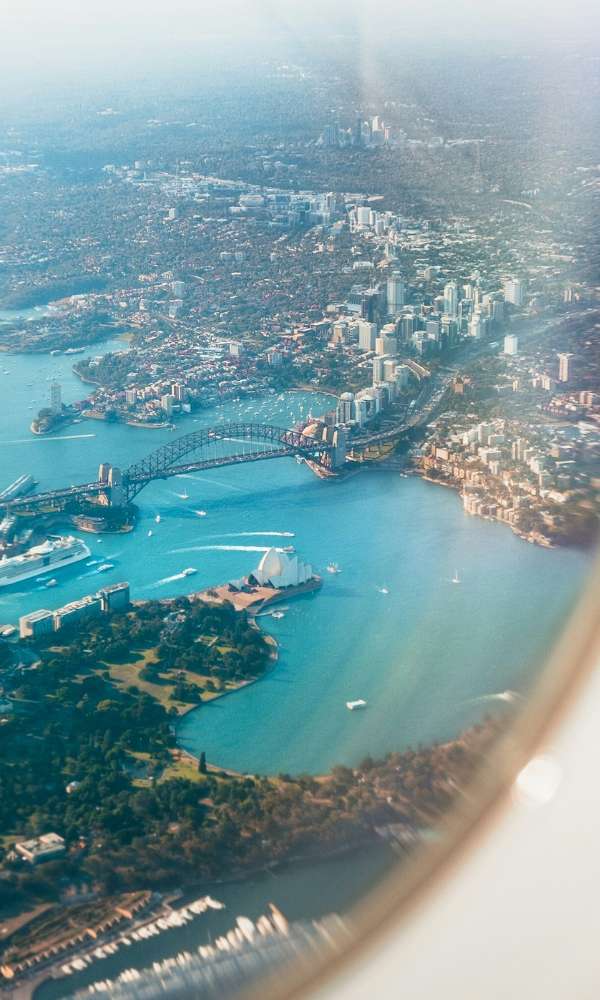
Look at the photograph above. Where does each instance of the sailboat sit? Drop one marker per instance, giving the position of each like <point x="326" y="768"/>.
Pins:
<point x="456" y="578"/>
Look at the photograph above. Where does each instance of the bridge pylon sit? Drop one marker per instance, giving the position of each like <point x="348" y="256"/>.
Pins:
<point x="116" y="492"/>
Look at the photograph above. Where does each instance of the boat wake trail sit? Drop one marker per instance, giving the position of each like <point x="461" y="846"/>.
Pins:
<point x="222" y="548"/>
<point x="507" y="696"/>
<point x="253" y="534"/>
<point x="57" y="437"/>
<point x="167" y="579"/>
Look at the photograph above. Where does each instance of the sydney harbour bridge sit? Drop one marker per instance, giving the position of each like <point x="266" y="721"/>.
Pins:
<point x="209" y="448"/>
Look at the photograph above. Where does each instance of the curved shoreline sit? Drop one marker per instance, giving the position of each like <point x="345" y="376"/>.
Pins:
<point x="273" y="658"/>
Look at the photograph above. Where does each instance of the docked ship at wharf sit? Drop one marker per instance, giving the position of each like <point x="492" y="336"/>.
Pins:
<point x="53" y="554"/>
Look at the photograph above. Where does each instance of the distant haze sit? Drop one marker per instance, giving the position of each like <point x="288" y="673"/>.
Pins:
<point x="102" y="40"/>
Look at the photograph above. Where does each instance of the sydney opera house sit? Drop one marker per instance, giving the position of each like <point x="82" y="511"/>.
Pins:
<point x="277" y="569"/>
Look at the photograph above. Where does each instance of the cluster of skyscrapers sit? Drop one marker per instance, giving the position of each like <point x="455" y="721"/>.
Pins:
<point x="459" y="312"/>
<point x="424" y="329"/>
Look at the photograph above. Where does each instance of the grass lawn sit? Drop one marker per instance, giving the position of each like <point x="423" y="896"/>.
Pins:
<point x="127" y="675"/>
<point x="181" y="767"/>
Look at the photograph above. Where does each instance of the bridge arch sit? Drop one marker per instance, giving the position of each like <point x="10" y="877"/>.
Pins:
<point x="177" y="457"/>
<point x="172" y="458"/>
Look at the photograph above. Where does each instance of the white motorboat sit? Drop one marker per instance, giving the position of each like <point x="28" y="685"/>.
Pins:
<point x="353" y="705"/>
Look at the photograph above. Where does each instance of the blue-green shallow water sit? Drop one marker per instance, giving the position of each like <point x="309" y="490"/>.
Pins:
<point x="428" y="657"/>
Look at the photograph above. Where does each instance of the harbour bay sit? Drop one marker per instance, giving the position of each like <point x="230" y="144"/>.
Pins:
<point x="430" y="657"/>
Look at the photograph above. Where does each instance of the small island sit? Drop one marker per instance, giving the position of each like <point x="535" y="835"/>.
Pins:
<point x="53" y="417"/>
<point x="47" y="421"/>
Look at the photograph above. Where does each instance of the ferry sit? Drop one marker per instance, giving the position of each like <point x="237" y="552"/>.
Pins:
<point x="353" y="705"/>
<point x="52" y="582"/>
<point x="105" y="566"/>
<point x="189" y="571"/>
<point x="200" y="513"/>
<point x="57" y="551"/>
<point x="333" y="568"/>
<point x="288" y="548"/>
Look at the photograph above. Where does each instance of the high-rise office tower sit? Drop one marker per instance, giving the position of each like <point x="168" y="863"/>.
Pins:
<point x="55" y="397"/>
<point x="514" y="291"/>
<point x="367" y="334"/>
<point x="475" y="325"/>
<point x="345" y="408"/>
<point x="389" y="369"/>
<point x="363" y="215"/>
<point x="451" y="299"/>
<point x="396" y="293"/>
<point x="331" y="135"/>
<point x="407" y="327"/>
<point x="402" y="376"/>
<point x="378" y="370"/>
<point x="564" y="367"/>
<point x="432" y="328"/>
<point x="511" y="344"/>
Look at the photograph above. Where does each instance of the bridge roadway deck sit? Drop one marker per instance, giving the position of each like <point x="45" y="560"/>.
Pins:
<point x="211" y="463"/>
<point x="54" y="497"/>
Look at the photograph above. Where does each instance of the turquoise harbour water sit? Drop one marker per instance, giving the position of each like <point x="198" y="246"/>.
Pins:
<point x="430" y="657"/>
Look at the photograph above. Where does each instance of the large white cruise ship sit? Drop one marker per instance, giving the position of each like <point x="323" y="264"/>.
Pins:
<point x="57" y="551"/>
